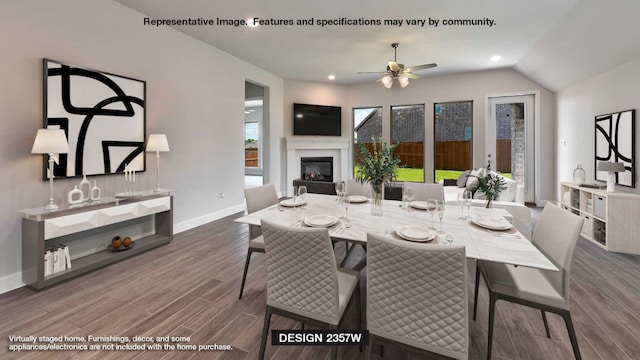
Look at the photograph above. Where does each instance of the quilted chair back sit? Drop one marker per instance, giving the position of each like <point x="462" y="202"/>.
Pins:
<point x="556" y="234"/>
<point x="259" y="198"/>
<point x="422" y="192"/>
<point x="355" y="188"/>
<point x="417" y="295"/>
<point x="302" y="274"/>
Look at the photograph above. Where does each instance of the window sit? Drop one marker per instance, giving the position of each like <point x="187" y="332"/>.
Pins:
<point x="453" y="138"/>
<point x="367" y="127"/>
<point x="407" y="128"/>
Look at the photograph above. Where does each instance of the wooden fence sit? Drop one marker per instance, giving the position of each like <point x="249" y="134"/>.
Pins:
<point x="453" y="155"/>
<point x="503" y="156"/>
<point x="251" y="158"/>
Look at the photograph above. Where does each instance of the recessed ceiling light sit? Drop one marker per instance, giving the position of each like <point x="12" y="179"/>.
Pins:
<point x="495" y="58"/>
<point x="250" y="23"/>
<point x="332" y="77"/>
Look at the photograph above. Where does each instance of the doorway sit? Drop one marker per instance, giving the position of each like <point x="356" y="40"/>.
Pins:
<point x="253" y="135"/>
<point x="510" y="140"/>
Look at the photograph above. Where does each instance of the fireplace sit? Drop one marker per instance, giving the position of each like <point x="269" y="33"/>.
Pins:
<point x="316" y="168"/>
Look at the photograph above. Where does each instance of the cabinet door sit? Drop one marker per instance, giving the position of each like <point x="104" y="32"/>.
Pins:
<point x="623" y="226"/>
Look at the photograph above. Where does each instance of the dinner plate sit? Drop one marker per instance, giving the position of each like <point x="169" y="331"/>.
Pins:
<point x="492" y="222"/>
<point x="320" y="221"/>
<point x="422" y="205"/>
<point x="358" y="199"/>
<point x="415" y="233"/>
<point x="289" y="202"/>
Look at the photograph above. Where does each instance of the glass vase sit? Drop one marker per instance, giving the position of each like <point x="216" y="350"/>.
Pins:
<point x="377" y="194"/>
<point x="579" y="175"/>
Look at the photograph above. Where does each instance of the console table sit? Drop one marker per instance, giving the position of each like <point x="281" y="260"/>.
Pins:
<point x="152" y="212"/>
<point x="611" y="219"/>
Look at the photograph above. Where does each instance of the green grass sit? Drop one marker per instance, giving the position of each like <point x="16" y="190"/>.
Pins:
<point x="417" y="175"/>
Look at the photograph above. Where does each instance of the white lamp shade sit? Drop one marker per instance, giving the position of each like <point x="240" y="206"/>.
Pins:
<point x="403" y="80"/>
<point x="50" y="141"/>
<point x="157" y="142"/>
<point x="611" y="166"/>
<point x="387" y="81"/>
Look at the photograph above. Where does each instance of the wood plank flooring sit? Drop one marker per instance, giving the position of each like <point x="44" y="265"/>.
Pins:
<point x="190" y="288"/>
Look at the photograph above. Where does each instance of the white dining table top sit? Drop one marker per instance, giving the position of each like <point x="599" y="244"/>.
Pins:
<point x="508" y="247"/>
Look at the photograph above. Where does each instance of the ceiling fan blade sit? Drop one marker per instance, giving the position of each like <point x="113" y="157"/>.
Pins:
<point x="410" y="75"/>
<point x="393" y="66"/>
<point x="371" y="72"/>
<point x="421" y="67"/>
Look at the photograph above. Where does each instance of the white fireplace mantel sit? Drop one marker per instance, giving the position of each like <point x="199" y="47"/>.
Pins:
<point x="336" y="147"/>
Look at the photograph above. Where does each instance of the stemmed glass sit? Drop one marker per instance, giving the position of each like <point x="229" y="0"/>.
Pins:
<point x="467" y="196"/>
<point x="431" y="208"/>
<point x="302" y="191"/>
<point x="345" y="204"/>
<point x="460" y="200"/>
<point x="440" y="210"/>
<point x="340" y="188"/>
<point x="407" y="197"/>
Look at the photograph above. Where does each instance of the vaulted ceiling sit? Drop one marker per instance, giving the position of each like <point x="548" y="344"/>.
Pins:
<point x="554" y="42"/>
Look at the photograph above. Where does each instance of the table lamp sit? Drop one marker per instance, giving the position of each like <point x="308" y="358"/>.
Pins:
<point x="50" y="141"/>
<point x="611" y="167"/>
<point x="157" y="143"/>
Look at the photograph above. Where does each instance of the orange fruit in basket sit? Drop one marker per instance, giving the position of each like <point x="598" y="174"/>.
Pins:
<point x="126" y="241"/>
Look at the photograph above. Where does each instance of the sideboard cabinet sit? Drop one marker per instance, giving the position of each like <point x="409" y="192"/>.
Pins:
<point x="72" y="227"/>
<point x="611" y="219"/>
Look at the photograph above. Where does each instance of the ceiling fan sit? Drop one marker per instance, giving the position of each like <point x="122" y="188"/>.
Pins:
<point x="398" y="71"/>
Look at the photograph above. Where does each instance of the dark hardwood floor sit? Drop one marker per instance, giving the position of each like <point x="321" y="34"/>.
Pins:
<point x="190" y="288"/>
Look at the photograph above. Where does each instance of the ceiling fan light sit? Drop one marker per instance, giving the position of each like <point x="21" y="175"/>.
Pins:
<point x="403" y="80"/>
<point x="387" y="81"/>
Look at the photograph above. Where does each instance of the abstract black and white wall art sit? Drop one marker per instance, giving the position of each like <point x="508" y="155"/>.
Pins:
<point x="103" y="116"/>
<point x="615" y="142"/>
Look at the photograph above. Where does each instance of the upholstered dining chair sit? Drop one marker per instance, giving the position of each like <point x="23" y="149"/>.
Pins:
<point x="303" y="280"/>
<point x="555" y="234"/>
<point x="355" y="188"/>
<point x="257" y="198"/>
<point x="417" y="297"/>
<point x="424" y="191"/>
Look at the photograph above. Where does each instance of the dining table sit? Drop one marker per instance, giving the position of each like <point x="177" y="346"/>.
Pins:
<point x="400" y="220"/>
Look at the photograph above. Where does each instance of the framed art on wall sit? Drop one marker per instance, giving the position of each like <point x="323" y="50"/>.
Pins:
<point x="103" y="116"/>
<point x="615" y="142"/>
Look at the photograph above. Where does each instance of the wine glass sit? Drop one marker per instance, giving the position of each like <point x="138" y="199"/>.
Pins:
<point x="302" y="192"/>
<point x="461" y="202"/>
<point x="410" y="197"/>
<point x="431" y="208"/>
<point x="340" y="189"/>
<point x="345" y="204"/>
<point x="467" y="196"/>
<point x="440" y="210"/>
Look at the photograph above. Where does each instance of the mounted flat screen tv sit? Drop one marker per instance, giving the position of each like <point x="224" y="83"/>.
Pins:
<point x="317" y="120"/>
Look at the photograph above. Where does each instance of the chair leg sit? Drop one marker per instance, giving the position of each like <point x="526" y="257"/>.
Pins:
<point x="265" y="332"/>
<point x="546" y="324"/>
<point x="370" y="346"/>
<point x="358" y="309"/>
<point x="475" y="294"/>
<point x="492" y="305"/>
<point x="572" y="334"/>
<point x="246" y="268"/>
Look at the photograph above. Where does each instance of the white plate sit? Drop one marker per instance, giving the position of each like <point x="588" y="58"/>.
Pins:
<point x="320" y="221"/>
<point x="415" y="233"/>
<point x="289" y="202"/>
<point x="358" y="199"/>
<point x="492" y="222"/>
<point x="422" y="205"/>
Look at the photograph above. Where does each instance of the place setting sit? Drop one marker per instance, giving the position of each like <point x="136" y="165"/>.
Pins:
<point x="495" y="225"/>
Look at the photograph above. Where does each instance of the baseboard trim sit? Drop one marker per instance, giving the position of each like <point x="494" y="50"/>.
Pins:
<point x="205" y="219"/>
<point x="11" y="282"/>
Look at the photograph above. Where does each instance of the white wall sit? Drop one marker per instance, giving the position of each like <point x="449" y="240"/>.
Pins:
<point x="615" y="90"/>
<point x="428" y="90"/>
<point x="195" y="94"/>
